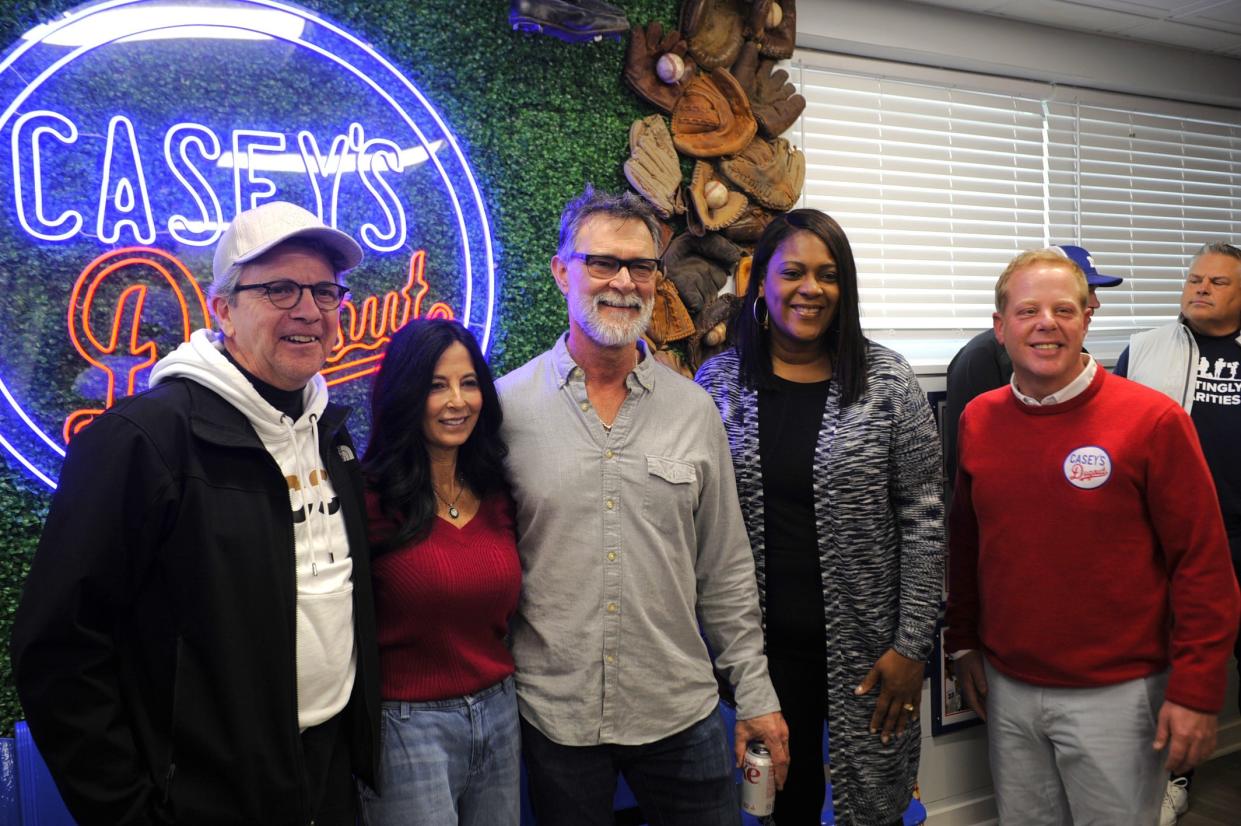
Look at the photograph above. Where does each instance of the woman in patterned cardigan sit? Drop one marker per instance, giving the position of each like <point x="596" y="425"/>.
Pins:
<point x="838" y="470"/>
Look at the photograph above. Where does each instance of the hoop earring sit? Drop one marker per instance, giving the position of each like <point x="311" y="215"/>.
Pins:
<point x="766" y="314"/>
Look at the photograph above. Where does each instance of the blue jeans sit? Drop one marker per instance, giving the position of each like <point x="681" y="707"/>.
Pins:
<point x="449" y="762"/>
<point x="682" y="780"/>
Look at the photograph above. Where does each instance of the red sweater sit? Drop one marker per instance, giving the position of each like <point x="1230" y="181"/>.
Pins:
<point x="1079" y="531"/>
<point x="443" y="604"/>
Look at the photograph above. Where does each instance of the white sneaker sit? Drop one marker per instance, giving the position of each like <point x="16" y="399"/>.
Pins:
<point x="1175" y="801"/>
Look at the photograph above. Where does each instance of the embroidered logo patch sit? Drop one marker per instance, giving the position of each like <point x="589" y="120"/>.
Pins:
<point x="1088" y="467"/>
<point x="345" y="453"/>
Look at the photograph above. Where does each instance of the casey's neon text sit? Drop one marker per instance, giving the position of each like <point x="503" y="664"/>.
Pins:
<point x="122" y="210"/>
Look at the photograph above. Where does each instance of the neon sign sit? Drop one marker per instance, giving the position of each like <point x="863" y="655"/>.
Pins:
<point x="137" y="129"/>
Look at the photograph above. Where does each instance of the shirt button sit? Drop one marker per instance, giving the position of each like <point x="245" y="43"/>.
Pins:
<point x="613" y="607"/>
<point x="611" y="504"/>
<point x="585" y="406"/>
<point x="608" y="454"/>
<point x="611" y="556"/>
<point x="610" y="658"/>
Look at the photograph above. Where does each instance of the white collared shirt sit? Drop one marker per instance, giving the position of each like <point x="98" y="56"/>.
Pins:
<point x="1071" y="390"/>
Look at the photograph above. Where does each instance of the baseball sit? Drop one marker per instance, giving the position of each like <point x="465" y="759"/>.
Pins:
<point x="715" y="194"/>
<point x="670" y="68"/>
<point x="774" y="16"/>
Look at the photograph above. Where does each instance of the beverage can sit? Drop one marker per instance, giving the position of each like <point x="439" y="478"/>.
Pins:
<point x="758" y="784"/>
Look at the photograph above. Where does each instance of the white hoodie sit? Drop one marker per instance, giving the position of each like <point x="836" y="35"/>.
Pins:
<point x="326" y="655"/>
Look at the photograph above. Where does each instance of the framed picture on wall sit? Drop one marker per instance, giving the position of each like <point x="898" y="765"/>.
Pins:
<point x="949" y="711"/>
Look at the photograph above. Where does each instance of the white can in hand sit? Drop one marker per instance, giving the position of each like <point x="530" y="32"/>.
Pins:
<point x="758" y="784"/>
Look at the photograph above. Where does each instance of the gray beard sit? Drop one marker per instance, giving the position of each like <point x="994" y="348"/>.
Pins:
<point x="611" y="333"/>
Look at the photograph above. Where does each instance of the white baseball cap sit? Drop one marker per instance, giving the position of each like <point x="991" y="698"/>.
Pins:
<point x="257" y="230"/>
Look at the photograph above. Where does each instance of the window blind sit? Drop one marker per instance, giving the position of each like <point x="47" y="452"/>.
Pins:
<point x="938" y="186"/>
<point x="1142" y="191"/>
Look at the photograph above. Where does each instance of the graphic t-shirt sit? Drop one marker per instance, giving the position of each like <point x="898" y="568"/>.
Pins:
<point x="1217" y="416"/>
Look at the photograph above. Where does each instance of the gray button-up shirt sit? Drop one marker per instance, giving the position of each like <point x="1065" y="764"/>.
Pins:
<point x="627" y="539"/>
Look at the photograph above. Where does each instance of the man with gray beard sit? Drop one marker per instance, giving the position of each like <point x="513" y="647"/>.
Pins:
<point x="629" y="532"/>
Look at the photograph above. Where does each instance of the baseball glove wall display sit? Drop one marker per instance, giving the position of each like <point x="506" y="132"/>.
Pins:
<point x="729" y="104"/>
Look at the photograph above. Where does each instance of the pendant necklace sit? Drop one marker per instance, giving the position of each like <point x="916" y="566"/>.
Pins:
<point x="452" y="506"/>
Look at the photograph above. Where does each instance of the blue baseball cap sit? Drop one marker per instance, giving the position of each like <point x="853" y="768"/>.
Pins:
<point x="1082" y="258"/>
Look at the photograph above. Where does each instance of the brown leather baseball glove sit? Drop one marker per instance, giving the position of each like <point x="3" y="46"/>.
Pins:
<point x="756" y="19"/>
<point x="713" y="117"/>
<point x="646" y="47"/>
<point x="700" y="266"/>
<point x="749" y="226"/>
<point x="778" y="42"/>
<point x="714" y="30"/>
<point x="653" y="169"/>
<point x="670" y="320"/>
<point x="774" y="101"/>
<point x="770" y="172"/>
<point x="714" y="205"/>
<point x="712" y="325"/>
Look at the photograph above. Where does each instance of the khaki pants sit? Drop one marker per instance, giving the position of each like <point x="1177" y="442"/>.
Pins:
<point x="1079" y="756"/>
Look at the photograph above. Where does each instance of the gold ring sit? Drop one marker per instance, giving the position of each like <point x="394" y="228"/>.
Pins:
<point x="908" y="706"/>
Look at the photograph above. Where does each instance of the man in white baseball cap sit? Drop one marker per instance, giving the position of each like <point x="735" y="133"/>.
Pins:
<point x="196" y="643"/>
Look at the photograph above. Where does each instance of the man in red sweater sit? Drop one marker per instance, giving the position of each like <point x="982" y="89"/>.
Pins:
<point x="1085" y="522"/>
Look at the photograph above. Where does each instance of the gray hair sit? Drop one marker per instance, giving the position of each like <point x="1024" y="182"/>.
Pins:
<point x="625" y="207"/>
<point x="226" y="286"/>
<point x="1218" y="248"/>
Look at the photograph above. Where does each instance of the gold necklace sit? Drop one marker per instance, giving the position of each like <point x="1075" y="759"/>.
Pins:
<point x="452" y="506"/>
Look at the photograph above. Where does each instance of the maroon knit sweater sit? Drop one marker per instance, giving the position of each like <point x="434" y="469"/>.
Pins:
<point x="443" y="604"/>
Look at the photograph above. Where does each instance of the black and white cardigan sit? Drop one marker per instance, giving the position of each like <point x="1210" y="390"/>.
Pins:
<point x="878" y="492"/>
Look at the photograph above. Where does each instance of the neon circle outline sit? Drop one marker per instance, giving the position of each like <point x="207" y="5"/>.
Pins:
<point x="81" y="13"/>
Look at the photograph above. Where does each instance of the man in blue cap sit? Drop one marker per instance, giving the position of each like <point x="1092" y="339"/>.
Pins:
<point x="982" y="364"/>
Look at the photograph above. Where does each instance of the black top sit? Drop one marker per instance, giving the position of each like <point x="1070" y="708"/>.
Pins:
<point x="1217" y="417"/>
<point x="790" y="415"/>
<point x="288" y="402"/>
<point x="979" y="366"/>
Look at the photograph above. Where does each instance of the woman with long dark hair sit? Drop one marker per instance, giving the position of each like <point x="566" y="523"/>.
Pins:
<point x="446" y="577"/>
<point x="838" y="471"/>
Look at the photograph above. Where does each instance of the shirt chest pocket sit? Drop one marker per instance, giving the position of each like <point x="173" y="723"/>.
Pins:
<point x="671" y="492"/>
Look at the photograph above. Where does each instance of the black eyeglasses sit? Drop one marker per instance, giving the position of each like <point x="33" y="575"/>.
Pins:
<point x="606" y="267"/>
<point x="285" y="293"/>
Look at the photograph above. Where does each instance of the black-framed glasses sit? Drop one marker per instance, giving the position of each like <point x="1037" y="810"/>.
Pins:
<point x="285" y="294"/>
<point x="606" y="267"/>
